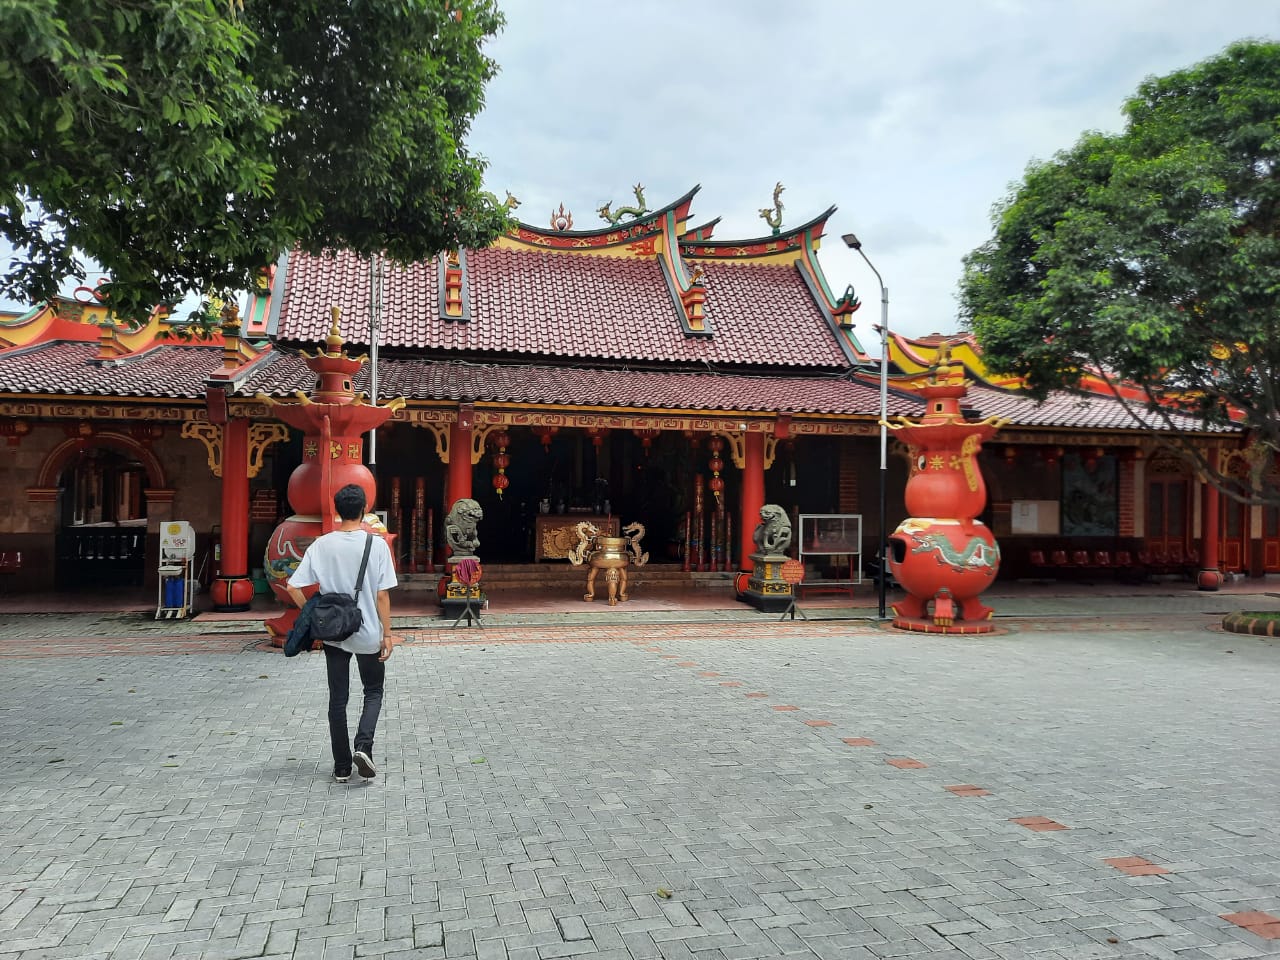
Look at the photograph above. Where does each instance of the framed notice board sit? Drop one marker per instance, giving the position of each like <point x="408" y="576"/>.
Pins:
<point x="833" y="535"/>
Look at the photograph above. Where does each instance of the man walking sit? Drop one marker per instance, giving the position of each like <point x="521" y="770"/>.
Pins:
<point x="333" y="562"/>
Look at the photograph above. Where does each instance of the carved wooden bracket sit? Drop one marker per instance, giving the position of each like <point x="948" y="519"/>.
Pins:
<point x="479" y="433"/>
<point x="770" y="450"/>
<point x="210" y="435"/>
<point x="440" y="431"/>
<point x="737" y="447"/>
<point x="261" y="436"/>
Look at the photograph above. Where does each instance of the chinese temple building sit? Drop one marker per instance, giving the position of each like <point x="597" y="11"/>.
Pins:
<point x="637" y="370"/>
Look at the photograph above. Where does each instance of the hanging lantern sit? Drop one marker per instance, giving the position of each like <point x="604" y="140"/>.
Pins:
<point x="646" y="437"/>
<point x="1010" y="455"/>
<point x="1052" y="454"/>
<point x="501" y="461"/>
<point x="545" y="434"/>
<point x="695" y="438"/>
<point x="716" y="444"/>
<point x="597" y="436"/>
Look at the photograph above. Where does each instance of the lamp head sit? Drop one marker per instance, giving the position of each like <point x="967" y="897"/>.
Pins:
<point x="851" y="241"/>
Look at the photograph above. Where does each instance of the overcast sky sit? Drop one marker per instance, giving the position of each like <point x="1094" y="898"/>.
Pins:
<point x="913" y="118"/>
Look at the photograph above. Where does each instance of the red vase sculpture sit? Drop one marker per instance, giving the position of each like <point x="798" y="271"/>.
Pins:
<point x="333" y="420"/>
<point x="941" y="554"/>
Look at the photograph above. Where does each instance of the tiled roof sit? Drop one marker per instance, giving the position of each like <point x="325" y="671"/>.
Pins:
<point x="569" y="386"/>
<point x="566" y="305"/>
<point x="1065" y="409"/>
<point x="68" y="367"/>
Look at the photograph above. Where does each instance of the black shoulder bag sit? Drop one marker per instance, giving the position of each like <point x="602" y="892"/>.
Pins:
<point x="336" y="616"/>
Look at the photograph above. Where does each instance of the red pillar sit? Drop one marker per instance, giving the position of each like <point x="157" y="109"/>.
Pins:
<point x="459" y="477"/>
<point x="233" y="590"/>
<point x="1209" y="577"/>
<point x="752" y="496"/>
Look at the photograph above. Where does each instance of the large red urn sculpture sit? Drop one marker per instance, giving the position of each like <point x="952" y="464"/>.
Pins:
<point x="332" y="419"/>
<point x="941" y="555"/>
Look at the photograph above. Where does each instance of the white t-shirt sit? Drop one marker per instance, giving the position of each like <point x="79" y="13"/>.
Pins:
<point x="333" y="562"/>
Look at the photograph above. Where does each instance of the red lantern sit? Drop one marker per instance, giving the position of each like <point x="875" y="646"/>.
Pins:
<point x="1010" y="455"/>
<point x="545" y="434"/>
<point x="715" y="445"/>
<point x="501" y="461"/>
<point x="646" y="436"/>
<point x="597" y="436"/>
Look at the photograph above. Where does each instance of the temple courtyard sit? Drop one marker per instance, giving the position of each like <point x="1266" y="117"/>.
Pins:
<point x="1099" y="779"/>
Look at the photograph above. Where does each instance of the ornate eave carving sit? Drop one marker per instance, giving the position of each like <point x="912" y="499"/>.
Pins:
<point x="262" y="436"/>
<point x="210" y="434"/>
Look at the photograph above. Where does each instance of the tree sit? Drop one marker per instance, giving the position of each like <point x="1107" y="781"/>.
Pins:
<point x="185" y="144"/>
<point x="1153" y="256"/>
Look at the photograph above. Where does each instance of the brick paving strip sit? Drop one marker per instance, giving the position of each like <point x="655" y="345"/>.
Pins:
<point x="1136" y="866"/>
<point x="969" y="790"/>
<point x="1256" y="922"/>
<point x="1038" y="824"/>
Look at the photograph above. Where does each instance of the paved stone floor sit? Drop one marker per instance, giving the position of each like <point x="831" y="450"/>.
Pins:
<point x="708" y="791"/>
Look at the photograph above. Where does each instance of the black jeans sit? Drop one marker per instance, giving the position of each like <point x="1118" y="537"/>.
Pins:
<point x="373" y="671"/>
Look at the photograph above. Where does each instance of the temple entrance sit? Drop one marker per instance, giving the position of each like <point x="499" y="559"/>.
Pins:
<point x="560" y="478"/>
<point x="1235" y="527"/>
<point x="1271" y="539"/>
<point x="1168" y="510"/>
<point x="102" y="530"/>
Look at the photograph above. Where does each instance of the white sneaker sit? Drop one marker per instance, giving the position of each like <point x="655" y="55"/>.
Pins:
<point x="364" y="763"/>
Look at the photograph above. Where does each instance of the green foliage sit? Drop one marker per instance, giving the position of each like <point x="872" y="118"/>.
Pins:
<point x="185" y="144"/>
<point x="1151" y="255"/>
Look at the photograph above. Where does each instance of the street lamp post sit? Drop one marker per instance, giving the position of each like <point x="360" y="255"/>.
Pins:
<point x="853" y="243"/>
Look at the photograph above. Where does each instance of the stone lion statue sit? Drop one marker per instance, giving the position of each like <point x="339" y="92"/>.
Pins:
<point x="460" y="527"/>
<point x="773" y="533"/>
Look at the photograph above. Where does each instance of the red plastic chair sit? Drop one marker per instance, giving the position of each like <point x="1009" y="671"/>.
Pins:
<point x="1059" y="558"/>
<point x="1176" y="558"/>
<point x="1037" y="558"/>
<point x="1124" y="559"/>
<point x="1102" y="558"/>
<point x="1080" y="558"/>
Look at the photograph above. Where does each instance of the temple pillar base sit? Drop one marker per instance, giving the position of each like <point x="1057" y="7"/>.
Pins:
<point x="231" y="594"/>
<point x="1209" y="579"/>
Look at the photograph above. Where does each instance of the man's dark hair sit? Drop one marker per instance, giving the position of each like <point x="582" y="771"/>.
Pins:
<point x="350" y="502"/>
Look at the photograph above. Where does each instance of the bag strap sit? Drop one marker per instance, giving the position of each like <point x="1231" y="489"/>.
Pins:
<point x="364" y="562"/>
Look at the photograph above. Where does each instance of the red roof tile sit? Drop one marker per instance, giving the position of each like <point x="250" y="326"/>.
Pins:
<point x="567" y="305"/>
<point x="577" y="386"/>
<point x="69" y="368"/>
<point x="1064" y="409"/>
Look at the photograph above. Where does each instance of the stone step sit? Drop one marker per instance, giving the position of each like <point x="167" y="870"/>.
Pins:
<point x="555" y="576"/>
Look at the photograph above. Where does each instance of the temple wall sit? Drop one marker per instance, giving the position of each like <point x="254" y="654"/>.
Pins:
<point x="197" y="496"/>
<point x="19" y="467"/>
